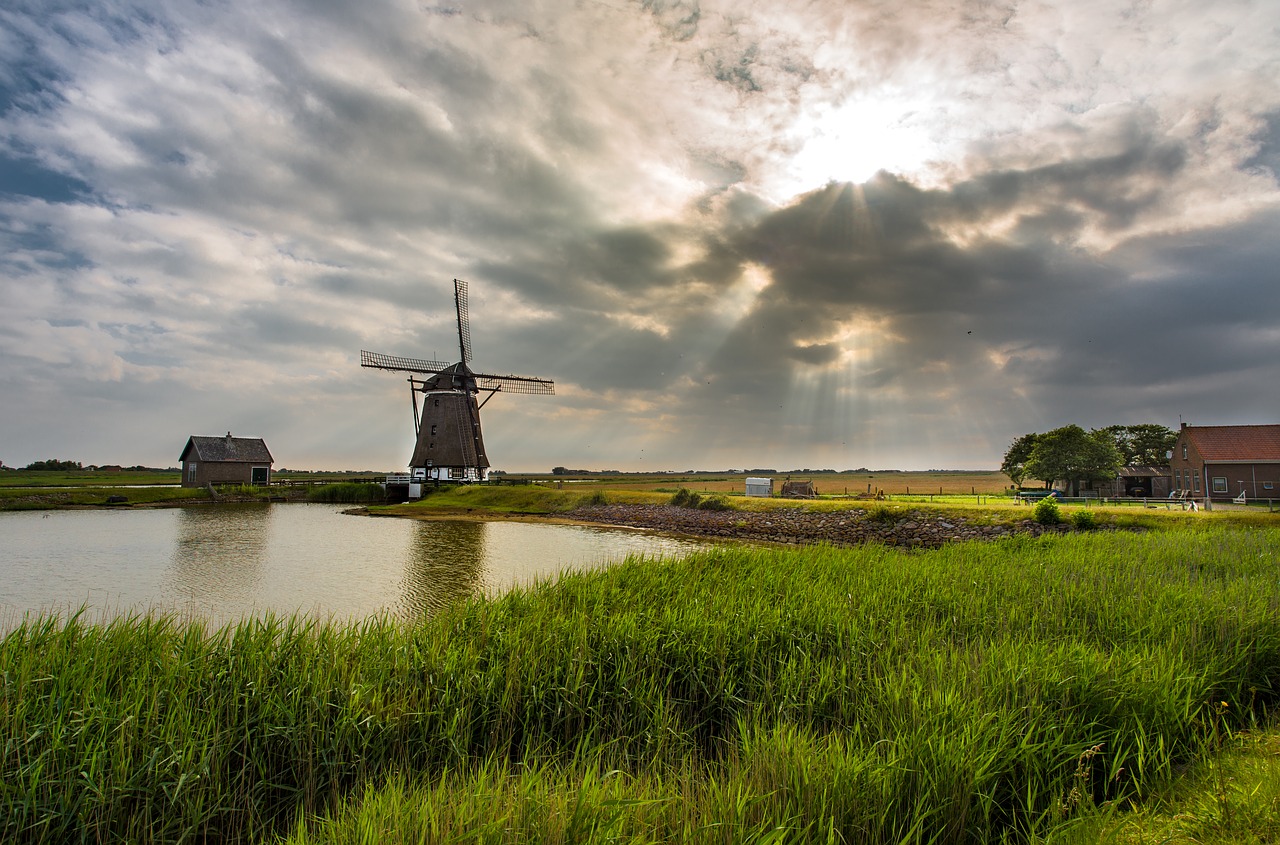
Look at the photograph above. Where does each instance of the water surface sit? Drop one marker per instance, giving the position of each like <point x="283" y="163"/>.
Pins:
<point x="224" y="562"/>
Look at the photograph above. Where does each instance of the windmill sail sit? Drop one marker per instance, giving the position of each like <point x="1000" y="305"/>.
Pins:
<point x="379" y="361"/>
<point x="515" y="384"/>
<point x="464" y="319"/>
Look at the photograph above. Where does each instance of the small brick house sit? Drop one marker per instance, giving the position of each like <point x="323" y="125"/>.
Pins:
<point x="225" y="460"/>
<point x="1225" y="461"/>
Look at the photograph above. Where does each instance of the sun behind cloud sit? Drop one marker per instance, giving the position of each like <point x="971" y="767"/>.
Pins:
<point x="854" y="140"/>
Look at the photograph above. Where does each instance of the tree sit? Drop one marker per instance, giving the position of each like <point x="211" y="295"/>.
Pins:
<point x="1144" y="445"/>
<point x="1015" y="460"/>
<point x="54" y="465"/>
<point x="1072" y="455"/>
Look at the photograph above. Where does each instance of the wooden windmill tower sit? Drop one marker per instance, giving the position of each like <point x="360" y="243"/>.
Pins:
<point x="449" y="444"/>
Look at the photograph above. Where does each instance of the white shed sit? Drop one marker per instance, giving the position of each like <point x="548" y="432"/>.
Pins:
<point x="762" y="487"/>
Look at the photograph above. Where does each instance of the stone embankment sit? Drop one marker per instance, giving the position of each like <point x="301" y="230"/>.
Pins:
<point x="799" y="526"/>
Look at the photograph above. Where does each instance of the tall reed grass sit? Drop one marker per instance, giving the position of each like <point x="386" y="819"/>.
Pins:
<point x="843" y="695"/>
<point x="348" y="492"/>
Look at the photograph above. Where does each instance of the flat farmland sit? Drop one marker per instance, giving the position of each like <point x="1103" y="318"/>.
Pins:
<point x="891" y="482"/>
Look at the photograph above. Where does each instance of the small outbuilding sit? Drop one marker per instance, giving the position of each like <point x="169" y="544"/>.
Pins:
<point x="1140" y="482"/>
<point x="799" y="490"/>
<point x="225" y="460"/>
<point x="761" y="487"/>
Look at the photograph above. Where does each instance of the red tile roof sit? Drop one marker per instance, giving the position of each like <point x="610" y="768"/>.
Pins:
<point x="1256" y="443"/>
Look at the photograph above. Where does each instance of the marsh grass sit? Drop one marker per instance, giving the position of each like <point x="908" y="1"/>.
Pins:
<point x="348" y="492"/>
<point x="821" y="694"/>
<point x="1229" y="796"/>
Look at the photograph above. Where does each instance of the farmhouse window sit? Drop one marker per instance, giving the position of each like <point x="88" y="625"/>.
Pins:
<point x="1219" y="484"/>
<point x="191" y="472"/>
<point x="1177" y="479"/>
<point x="1196" y="480"/>
<point x="1266" y="485"/>
<point x="1184" y="451"/>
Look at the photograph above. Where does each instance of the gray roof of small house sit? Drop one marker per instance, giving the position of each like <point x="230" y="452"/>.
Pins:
<point x="228" y="450"/>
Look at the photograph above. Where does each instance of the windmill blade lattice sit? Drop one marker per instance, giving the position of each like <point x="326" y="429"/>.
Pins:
<point x="464" y="319"/>
<point x="378" y="361"/>
<point x="515" y="384"/>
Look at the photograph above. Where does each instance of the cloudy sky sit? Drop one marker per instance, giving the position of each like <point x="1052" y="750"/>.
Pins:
<point x="736" y="233"/>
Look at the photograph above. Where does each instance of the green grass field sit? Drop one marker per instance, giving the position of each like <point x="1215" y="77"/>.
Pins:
<point x="85" y="478"/>
<point x="1016" y="690"/>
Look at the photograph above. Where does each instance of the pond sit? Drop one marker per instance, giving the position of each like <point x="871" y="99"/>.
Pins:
<point x="222" y="563"/>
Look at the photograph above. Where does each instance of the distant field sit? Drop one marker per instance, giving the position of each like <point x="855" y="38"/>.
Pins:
<point x="85" y="478"/>
<point x="989" y="482"/>
<point x="986" y="483"/>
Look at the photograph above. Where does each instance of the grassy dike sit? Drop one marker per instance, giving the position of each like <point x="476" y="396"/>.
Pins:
<point x="974" y="693"/>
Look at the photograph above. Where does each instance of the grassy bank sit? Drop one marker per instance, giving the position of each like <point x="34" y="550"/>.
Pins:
<point x="533" y="499"/>
<point x="17" y="499"/>
<point x="859" y="695"/>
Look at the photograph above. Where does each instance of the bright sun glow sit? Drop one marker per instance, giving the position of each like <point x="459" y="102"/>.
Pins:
<point x="850" y="142"/>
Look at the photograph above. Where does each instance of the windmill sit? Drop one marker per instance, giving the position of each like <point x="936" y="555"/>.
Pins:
<point x="449" y="445"/>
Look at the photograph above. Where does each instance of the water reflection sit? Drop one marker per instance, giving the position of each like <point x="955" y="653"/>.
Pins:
<point x="219" y="552"/>
<point x="222" y="563"/>
<point x="445" y="563"/>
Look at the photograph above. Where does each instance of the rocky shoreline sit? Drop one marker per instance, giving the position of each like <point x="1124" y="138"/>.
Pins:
<point x="799" y="526"/>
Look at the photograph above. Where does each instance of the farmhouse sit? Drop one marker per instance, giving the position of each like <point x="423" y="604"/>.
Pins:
<point x="1227" y="461"/>
<point x="225" y="460"/>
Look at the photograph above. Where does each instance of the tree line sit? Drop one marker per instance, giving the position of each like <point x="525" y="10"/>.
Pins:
<point x="1075" y="456"/>
<point x="53" y="464"/>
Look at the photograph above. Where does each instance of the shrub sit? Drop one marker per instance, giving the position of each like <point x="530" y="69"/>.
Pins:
<point x="684" y="499"/>
<point x="597" y="498"/>
<point x="1084" y="519"/>
<point x="715" y="503"/>
<point x="882" y="514"/>
<point x="1046" y="512"/>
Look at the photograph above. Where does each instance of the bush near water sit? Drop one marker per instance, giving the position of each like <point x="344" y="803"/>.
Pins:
<point x="818" y="694"/>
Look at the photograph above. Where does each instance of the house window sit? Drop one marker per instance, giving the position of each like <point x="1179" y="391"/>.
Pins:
<point x="1184" y="451"/>
<point x="433" y="430"/>
<point x="1177" y="479"/>
<point x="1196" y="480"/>
<point x="1266" y="485"/>
<point x="1219" y="484"/>
<point x="457" y="472"/>
<point x="191" y="472"/>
